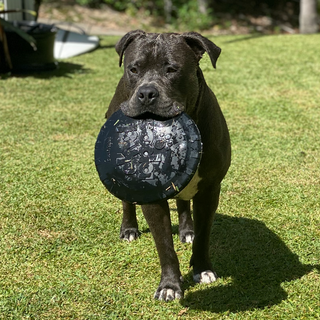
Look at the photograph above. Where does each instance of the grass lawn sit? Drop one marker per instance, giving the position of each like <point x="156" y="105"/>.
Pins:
<point x="60" y="253"/>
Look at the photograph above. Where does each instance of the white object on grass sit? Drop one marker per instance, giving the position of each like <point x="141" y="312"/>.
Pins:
<point x="69" y="44"/>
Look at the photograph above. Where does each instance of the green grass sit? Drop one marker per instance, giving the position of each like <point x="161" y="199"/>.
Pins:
<point x="60" y="253"/>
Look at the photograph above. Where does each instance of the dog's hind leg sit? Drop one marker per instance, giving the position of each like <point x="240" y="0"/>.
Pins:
<point x="186" y="233"/>
<point x="129" y="227"/>
<point x="205" y="204"/>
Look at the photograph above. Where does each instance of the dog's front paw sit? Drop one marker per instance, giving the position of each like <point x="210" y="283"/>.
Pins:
<point x="129" y="234"/>
<point x="186" y="236"/>
<point x="207" y="276"/>
<point x="167" y="294"/>
<point x="169" y="290"/>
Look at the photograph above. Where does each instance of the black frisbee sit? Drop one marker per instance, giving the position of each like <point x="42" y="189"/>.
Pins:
<point x="145" y="160"/>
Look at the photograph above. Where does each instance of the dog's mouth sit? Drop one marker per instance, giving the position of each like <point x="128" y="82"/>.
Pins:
<point x="152" y="116"/>
<point x="152" y="112"/>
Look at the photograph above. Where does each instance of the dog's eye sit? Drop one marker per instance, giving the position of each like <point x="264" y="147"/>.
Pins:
<point x="134" y="70"/>
<point x="171" y="70"/>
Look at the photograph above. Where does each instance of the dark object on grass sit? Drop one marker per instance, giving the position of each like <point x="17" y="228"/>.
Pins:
<point x="25" y="57"/>
<point x="146" y="160"/>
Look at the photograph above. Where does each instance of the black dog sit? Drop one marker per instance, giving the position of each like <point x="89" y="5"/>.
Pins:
<point x="162" y="76"/>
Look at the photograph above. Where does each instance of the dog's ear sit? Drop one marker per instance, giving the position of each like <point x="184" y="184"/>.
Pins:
<point x="200" y="45"/>
<point x="123" y="43"/>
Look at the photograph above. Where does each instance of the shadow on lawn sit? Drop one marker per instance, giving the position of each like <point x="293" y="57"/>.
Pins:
<point x="64" y="69"/>
<point x="255" y="259"/>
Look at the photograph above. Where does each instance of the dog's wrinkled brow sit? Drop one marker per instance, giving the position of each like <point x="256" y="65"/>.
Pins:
<point x="158" y="44"/>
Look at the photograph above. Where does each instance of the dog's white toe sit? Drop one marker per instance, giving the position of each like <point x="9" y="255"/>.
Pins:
<point x="132" y="237"/>
<point x="207" y="276"/>
<point x="129" y="234"/>
<point x="189" y="238"/>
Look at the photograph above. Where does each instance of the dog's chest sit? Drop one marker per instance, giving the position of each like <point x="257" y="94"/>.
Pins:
<point x="191" y="189"/>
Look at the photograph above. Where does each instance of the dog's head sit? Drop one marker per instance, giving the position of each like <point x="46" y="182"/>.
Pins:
<point x="161" y="71"/>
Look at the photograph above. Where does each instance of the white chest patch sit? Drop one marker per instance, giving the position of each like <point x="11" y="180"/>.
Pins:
<point x="191" y="189"/>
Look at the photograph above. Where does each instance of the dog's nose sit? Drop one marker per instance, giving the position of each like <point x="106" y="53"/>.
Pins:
<point x="147" y="95"/>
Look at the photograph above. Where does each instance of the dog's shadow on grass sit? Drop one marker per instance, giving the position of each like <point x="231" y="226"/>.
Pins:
<point x="252" y="260"/>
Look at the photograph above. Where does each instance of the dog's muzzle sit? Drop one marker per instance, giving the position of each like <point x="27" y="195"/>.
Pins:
<point x="147" y="102"/>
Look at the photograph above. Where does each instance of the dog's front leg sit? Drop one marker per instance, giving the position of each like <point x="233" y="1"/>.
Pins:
<point x="158" y="219"/>
<point x="129" y="226"/>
